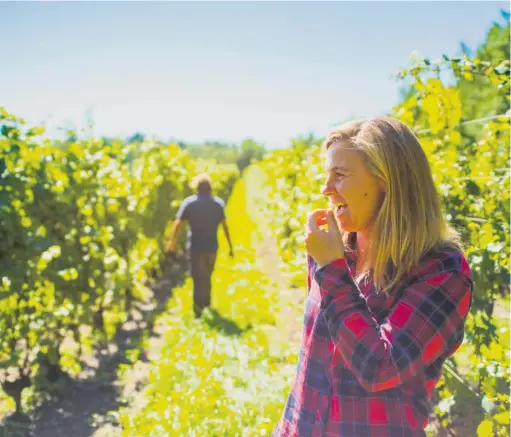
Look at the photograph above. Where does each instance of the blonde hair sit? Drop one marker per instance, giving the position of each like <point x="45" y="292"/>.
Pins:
<point x="202" y="183"/>
<point x="410" y="221"/>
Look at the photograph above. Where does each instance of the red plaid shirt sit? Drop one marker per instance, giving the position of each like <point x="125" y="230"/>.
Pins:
<point x="368" y="363"/>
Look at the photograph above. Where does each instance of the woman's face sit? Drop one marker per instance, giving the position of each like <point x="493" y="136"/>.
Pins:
<point x="355" y="194"/>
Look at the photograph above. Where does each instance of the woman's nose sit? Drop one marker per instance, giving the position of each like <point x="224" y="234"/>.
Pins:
<point x="327" y="188"/>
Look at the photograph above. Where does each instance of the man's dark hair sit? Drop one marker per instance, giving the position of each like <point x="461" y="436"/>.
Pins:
<point x="203" y="184"/>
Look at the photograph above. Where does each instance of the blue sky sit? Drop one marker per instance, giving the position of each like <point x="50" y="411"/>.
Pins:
<point x="223" y="71"/>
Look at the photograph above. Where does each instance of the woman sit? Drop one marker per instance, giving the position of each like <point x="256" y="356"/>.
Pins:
<point x="389" y="291"/>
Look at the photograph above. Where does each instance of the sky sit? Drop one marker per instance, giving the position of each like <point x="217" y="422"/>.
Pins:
<point x="220" y="71"/>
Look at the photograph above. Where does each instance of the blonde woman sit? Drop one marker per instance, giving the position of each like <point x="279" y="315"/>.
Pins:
<point x="389" y="291"/>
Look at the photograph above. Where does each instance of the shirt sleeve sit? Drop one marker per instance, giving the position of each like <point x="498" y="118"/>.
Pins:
<point x="182" y="212"/>
<point x="310" y="272"/>
<point x="222" y="210"/>
<point x="427" y="321"/>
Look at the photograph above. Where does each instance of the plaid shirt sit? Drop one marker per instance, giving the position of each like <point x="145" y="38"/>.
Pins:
<point x="368" y="363"/>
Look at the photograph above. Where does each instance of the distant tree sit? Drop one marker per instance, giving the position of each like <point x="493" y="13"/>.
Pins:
<point x="250" y="151"/>
<point x="108" y="141"/>
<point x="137" y="137"/>
<point x="479" y="97"/>
<point x="223" y="153"/>
<point x="306" y="141"/>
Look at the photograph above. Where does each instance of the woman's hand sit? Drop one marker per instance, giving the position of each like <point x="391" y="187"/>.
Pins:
<point x="323" y="246"/>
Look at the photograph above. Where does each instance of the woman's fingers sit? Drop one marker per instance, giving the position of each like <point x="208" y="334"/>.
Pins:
<point x="315" y="219"/>
<point x="322" y="220"/>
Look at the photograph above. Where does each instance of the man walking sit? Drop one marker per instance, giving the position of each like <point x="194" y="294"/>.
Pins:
<point x="204" y="213"/>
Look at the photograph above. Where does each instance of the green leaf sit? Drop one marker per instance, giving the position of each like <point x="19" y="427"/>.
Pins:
<point x="485" y="429"/>
<point x="502" y="418"/>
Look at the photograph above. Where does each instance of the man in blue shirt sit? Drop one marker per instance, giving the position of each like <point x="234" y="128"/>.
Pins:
<point x="204" y="213"/>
